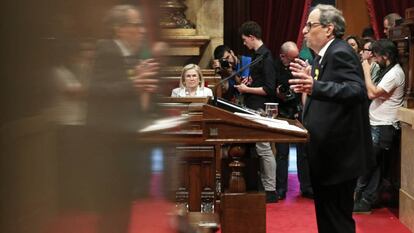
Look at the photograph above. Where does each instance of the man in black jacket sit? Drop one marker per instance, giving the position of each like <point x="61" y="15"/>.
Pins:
<point x="336" y="116"/>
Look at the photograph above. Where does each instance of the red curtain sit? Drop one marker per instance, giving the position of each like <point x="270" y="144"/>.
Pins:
<point x="377" y="9"/>
<point x="281" y="20"/>
<point x="236" y="12"/>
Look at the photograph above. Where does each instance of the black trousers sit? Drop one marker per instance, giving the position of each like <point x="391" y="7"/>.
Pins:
<point x="282" y="165"/>
<point x="334" y="205"/>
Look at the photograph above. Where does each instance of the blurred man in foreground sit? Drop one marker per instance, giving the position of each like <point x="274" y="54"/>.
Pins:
<point x="119" y="103"/>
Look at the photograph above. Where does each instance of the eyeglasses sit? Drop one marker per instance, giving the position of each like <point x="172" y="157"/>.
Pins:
<point x="309" y="25"/>
<point x="368" y="50"/>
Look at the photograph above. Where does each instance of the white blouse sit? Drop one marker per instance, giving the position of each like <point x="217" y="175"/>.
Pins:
<point x="200" y="92"/>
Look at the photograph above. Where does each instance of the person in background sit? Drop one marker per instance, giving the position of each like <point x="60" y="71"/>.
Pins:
<point x="386" y="98"/>
<point x="306" y="54"/>
<point x="368" y="34"/>
<point x="191" y="83"/>
<point x="353" y="41"/>
<point x="390" y="22"/>
<point x="335" y="114"/>
<point x="368" y="57"/>
<point x="226" y="62"/>
<point x="69" y="81"/>
<point x="289" y="107"/>
<point x="257" y="91"/>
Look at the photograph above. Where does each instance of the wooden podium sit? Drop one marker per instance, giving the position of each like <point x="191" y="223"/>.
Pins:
<point x="207" y="135"/>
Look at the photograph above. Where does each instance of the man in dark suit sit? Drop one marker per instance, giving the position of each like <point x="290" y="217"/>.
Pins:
<point x="118" y="105"/>
<point x="336" y="116"/>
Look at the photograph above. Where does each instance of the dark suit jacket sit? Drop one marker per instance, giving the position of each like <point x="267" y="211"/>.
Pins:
<point x="336" y="116"/>
<point x="116" y="162"/>
<point x="113" y="101"/>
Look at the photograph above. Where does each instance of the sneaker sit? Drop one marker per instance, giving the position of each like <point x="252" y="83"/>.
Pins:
<point x="362" y="207"/>
<point x="271" y="197"/>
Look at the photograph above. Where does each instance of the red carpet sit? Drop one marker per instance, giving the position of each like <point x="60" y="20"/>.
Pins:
<point x="293" y="215"/>
<point x="297" y="215"/>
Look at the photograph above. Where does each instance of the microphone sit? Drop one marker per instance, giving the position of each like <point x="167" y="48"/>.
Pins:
<point x="254" y="62"/>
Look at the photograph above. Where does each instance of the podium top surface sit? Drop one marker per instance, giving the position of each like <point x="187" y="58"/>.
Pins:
<point x="202" y="123"/>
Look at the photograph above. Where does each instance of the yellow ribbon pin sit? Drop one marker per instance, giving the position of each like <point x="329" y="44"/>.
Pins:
<point x="316" y="74"/>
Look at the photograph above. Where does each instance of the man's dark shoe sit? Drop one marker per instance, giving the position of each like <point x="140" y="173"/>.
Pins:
<point x="281" y="195"/>
<point x="307" y="194"/>
<point x="271" y="197"/>
<point x="362" y="207"/>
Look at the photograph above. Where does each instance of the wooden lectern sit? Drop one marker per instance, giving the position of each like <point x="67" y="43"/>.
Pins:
<point x="201" y="141"/>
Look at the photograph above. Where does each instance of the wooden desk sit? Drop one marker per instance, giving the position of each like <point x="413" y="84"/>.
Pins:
<point x="406" y="211"/>
<point x="202" y="142"/>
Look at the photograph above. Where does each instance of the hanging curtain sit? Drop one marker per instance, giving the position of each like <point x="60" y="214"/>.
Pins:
<point x="236" y="12"/>
<point x="281" y="20"/>
<point x="305" y="14"/>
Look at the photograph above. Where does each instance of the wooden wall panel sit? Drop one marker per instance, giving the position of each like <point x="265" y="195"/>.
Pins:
<point x="356" y="15"/>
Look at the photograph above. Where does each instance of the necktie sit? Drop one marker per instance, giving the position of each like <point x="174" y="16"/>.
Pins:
<point x="316" y="67"/>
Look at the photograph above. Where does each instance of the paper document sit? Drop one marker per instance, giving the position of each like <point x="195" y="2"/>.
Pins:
<point x="164" y="123"/>
<point x="273" y="123"/>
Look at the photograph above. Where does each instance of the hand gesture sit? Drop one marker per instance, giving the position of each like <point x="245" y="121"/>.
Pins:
<point x="303" y="81"/>
<point x="145" y="79"/>
<point x="366" y="66"/>
<point x="247" y="80"/>
<point x="242" y="88"/>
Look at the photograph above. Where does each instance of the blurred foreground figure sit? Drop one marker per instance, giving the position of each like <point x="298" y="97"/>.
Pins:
<point x="119" y="103"/>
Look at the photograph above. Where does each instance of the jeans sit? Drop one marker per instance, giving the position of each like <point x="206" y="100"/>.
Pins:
<point x="368" y="184"/>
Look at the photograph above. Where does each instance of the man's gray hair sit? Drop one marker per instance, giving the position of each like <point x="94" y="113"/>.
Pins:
<point x="117" y="16"/>
<point x="391" y="18"/>
<point x="288" y="46"/>
<point x="331" y="15"/>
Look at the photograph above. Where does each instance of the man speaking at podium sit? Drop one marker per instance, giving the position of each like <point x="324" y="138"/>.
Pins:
<point x="336" y="115"/>
<point x="257" y="91"/>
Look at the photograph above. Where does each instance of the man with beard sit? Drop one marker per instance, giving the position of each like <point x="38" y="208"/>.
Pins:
<point x="226" y="62"/>
<point x="386" y="98"/>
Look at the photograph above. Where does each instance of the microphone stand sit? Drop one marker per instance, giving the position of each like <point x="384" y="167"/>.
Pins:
<point x="257" y="60"/>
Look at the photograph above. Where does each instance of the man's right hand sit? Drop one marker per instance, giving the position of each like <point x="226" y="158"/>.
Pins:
<point x="247" y="80"/>
<point x="303" y="81"/>
<point x="145" y="79"/>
